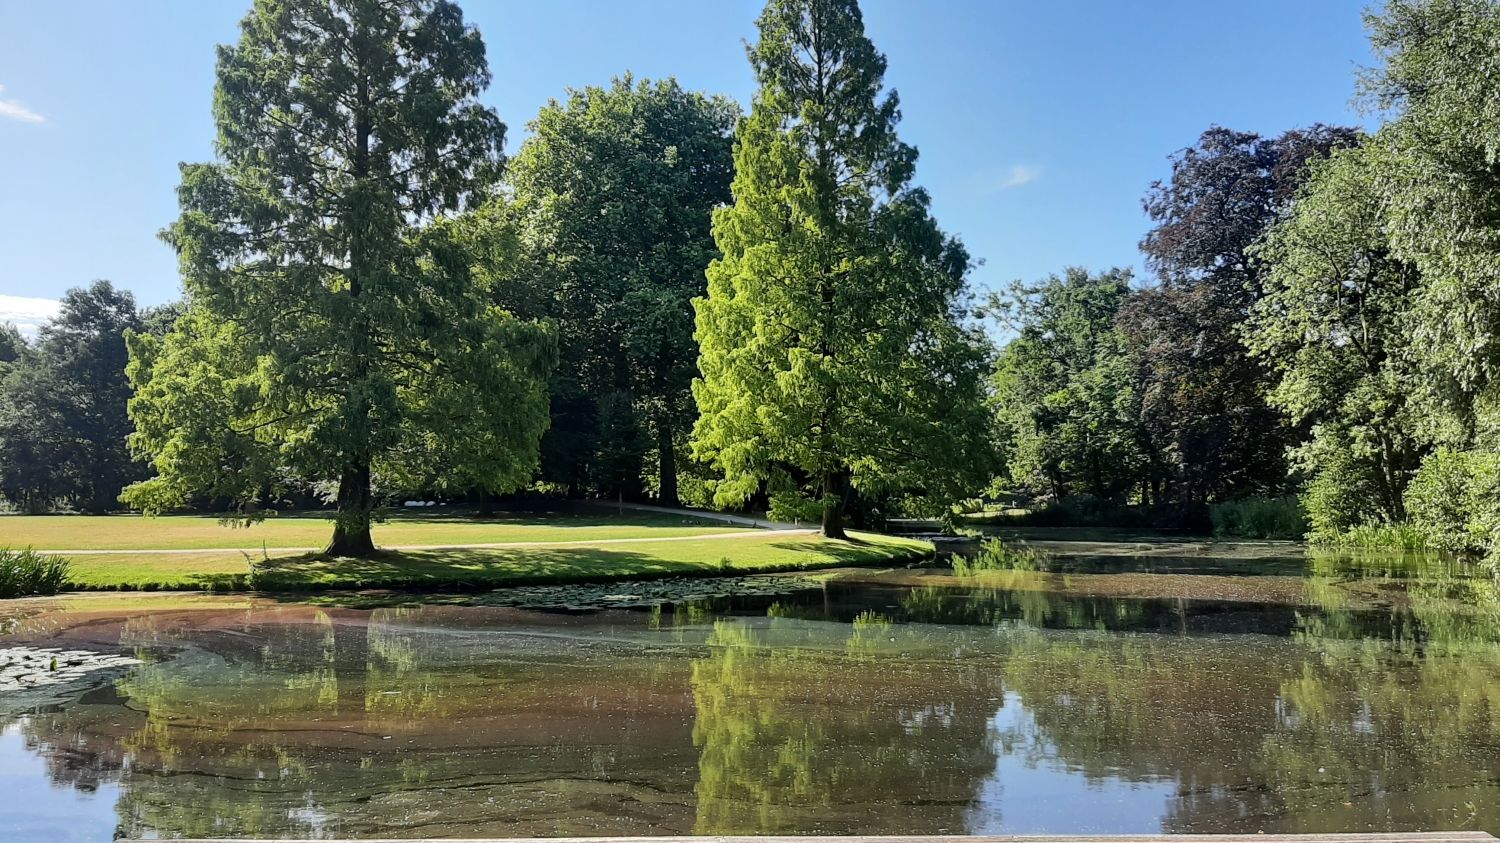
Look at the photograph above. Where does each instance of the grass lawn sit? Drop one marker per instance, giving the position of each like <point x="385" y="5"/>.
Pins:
<point x="763" y="551"/>
<point x="188" y="532"/>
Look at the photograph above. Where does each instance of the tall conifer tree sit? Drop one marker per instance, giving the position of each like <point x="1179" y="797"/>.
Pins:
<point x="336" y="332"/>
<point x="833" y="345"/>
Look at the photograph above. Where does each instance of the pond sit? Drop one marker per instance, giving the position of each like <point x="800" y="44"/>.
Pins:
<point x="1322" y="695"/>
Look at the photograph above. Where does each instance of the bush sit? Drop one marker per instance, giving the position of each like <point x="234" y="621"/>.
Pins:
<point x="1455" y="499"/>
<point x="1260" y="518"/>
<point x="26" y="572"/>
<point x="1343" y="493"/>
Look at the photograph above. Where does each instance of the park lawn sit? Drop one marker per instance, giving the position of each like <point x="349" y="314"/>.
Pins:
<point x="189" y="532"/>
<point x="761" y="552"/>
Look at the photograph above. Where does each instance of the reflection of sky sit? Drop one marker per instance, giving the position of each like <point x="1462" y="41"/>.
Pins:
<point x="35" y="809"/>
<point x="1033" y="791"/>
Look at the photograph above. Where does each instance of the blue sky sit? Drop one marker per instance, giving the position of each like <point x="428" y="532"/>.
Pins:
<point x="1040" y="123"/>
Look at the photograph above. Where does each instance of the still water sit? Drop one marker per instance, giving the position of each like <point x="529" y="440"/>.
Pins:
<point x="1348" y="697"/>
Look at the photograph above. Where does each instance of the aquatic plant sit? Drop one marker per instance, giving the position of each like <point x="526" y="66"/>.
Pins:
<point x="1260" y="518"/>
<point x="26" y="572"/>
<point x="1402" y="535"/>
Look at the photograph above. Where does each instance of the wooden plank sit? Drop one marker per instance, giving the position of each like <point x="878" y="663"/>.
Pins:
<point x="1380" y="837"/>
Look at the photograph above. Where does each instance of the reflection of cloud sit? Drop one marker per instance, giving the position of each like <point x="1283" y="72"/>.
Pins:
<point x="1020" y="174"/>
<point x="27" y="313"/>
<point x="16" y="111"/>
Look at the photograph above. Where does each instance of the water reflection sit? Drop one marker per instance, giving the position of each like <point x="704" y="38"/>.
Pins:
<point x="1364" y="696"/>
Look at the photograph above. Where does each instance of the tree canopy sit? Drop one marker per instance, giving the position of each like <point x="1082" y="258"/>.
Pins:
<point x="62" y="405"/>
<point x="613" y="193"/>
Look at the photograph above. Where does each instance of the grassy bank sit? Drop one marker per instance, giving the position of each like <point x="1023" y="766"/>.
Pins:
<point x="492" y="567"/>
<point x="188" y="532"/>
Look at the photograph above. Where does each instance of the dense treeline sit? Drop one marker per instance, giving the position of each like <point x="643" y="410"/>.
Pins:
<point x="1322" y="320"/>
<point x="661" y="297"/>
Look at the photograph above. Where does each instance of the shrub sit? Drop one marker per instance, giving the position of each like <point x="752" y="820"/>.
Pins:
<point x="26" y="572"/>
<point x="1455" y="498"/>
<point x="1343" y="493"/>
<point x="1260" y="518"/>
<point x="996" y="555"/>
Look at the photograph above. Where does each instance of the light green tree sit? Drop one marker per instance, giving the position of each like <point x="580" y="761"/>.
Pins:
<point x="834" y="349"/>
<point x="1333" y="324"/>
<point x="337" y="331"/>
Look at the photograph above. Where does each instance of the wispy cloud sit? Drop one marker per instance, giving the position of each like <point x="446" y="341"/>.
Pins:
<point x="1019" y="174"/>
<point x="15" y="111"/>
<point x="27" y="313"/>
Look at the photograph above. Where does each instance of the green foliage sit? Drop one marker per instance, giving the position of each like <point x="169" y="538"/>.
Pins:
<point x="1333" y="325"/>
<point x="340" y="328"/>
<point x="833" y="339"/>
<point x="1062" y="390"/>
<point x="26" y="572"/>
<point x="1204" y="414"/>
<point x="1399" y="535"/>
<point x="63" y="422"/>
<point x="613" y="194"/>
<point x="1260" y="518"/>
<point x="996" y="555"/>
<point x="1455" y="499"/>
<point x="1342" y="491"/>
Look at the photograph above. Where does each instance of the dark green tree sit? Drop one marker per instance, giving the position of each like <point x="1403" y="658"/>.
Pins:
<point x="337" y="331"/>
<point x="614" y="193"/>
<point x="835" y="351"/>
<point x="12" y="344"/>
<point x="63" y="424"/>
<point x="1062" y="387"/>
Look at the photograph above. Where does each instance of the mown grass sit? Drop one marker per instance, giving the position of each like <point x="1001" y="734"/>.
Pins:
<point x="189" y="532"/>
<point x="493" y="567"/>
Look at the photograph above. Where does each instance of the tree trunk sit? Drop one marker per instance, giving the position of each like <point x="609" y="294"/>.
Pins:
<point x="486" y="503"/>
<point x="835" y="484"/>
<point x="666" y="459"/>
<point x="351" y="530"/>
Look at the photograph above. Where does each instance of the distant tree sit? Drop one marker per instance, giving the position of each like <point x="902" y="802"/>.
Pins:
<point x="834" y="347"/>
<point x="1203" y="398"/>
<point x="1062" y="386"/>
<point x="614" y="192"/>
<point x="63" y="424"/>
<point x="337" y="328"/>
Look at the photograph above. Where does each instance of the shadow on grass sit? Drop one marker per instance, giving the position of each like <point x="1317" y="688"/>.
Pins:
<point x="855" y="551"/>
<point x="462" y="569"/>
<point x="468" y="569"/>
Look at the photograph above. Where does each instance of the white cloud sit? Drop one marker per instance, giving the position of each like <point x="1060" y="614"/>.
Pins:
<point x="1020" y="174"/>
<point x="15" y="111"/>
<point x="27" y="313"/>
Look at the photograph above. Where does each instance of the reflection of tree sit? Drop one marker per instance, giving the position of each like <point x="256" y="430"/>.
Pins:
<point x="802" y="726"/>
<point x="995" y="599"/>
<point x="356" y="724"/>
<point x="1301" y="734"/>
<point x="1397" y="710"/>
